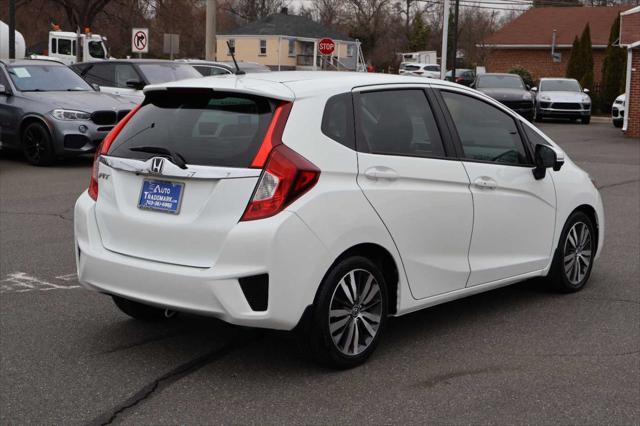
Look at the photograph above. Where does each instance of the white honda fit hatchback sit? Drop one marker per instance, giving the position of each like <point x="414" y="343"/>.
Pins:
<point x="326" y="202"/>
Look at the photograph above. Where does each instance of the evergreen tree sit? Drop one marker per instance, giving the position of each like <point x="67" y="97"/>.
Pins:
<point x="419" y="34"/>
<point x="586" y="80"/>
<point x="613" y="70"/>
<point x="574" y="65"/>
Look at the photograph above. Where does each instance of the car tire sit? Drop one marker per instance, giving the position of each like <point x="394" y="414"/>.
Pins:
<point x="574" y="256"/>
<point x="142" y="312"/>
<point x="36" y="144"/>
<point x="349" y="314"/>
<point x="617" y="123"/>
<point x="585" y="120"/>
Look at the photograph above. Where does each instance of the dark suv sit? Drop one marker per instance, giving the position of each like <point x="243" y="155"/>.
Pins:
<point x="47" y="111"/>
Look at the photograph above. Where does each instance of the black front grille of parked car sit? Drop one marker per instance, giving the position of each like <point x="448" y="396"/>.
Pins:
<point x="544" y="104"/>
<point x="105" y="118"/>
<point x="566" y="105"/>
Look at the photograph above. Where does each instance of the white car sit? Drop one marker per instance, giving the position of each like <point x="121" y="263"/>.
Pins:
<point x="617" y="110"/>
<point x="264" y="201"/>
<point x="420" y="70"/>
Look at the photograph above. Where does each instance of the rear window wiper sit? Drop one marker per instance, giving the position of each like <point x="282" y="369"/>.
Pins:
<point x="174" y="156"/>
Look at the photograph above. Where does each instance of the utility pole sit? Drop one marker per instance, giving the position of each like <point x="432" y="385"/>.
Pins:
<point x="445" y="35"/>
<point x="210" y="36"/>
<point x="12" y="29"/>
<point x="455" y="42"/>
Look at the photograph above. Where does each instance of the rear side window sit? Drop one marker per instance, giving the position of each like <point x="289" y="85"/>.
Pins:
<point x="220" y="129"/>
<point x="337" y="120"/>
<point x="102" y="74"/>
<point x="398" y="122"/>
<point x="486" y="133"/>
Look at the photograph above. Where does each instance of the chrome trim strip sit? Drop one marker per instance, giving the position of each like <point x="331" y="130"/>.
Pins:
<point x="171" y="170"/>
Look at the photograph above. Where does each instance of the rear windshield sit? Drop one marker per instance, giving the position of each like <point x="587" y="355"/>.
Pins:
<point x="213" y="129"/>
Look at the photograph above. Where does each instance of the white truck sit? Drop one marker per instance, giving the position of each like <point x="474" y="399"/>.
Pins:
<point x="420" y="57"/>
<point x="62" y="46"/>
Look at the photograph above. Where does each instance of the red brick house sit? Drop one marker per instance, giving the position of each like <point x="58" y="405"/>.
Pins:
<point x="630" y="39"/>
<point x="527" y="40"/>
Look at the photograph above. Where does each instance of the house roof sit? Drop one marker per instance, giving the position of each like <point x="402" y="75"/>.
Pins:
<point x="534" y="28"/>
<point x="288" y="25"/>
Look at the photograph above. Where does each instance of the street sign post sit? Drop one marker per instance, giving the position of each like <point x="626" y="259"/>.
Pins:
<point x="171" y="44"/>
<point x="140" y="40"/>
<point x="326" y="46"/>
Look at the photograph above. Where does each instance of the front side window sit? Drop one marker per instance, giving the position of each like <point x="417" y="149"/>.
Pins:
<point x="124" y="73"/>
<point x="96" y="50"/>
<point x="263" y="47"/>
<point x="398" y="122"/>
<point x="64" y="46"/>
<point x="486" y="133"/>
<point x="102" y="74"/>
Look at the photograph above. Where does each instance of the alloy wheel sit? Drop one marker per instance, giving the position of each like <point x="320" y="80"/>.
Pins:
<point x="355" y="312"/>
<point x="34" y="143"/>
<point x="578" y="249"/>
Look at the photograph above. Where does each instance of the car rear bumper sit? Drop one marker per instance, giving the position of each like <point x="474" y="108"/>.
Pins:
<point x="282" y="247"/>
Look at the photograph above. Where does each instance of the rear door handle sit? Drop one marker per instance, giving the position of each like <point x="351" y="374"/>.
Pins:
<point x="381" y="172"/>
<point x="485" y="182"/>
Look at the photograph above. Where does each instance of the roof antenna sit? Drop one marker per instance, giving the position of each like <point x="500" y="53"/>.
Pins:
<point x="233" y="56"/>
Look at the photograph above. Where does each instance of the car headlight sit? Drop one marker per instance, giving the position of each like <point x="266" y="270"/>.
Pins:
<point x="544" y="98"/>
<point x="586" y="99"/>
<point x="70" y="115"/>
<point x="526" y="96"/>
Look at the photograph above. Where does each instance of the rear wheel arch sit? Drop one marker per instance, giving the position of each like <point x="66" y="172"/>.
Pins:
<point x="384" y="260"/>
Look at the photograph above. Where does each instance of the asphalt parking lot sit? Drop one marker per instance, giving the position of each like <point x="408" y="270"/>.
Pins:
<point x="521" y="354"/>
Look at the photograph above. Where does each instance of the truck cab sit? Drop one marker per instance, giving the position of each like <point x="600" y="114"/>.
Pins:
<point x="64" y="44"/>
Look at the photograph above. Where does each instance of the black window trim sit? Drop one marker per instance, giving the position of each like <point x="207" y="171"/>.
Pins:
<point x="456" y="137"/>
<point x="445" y="137"/>
<point x="353" y="143"/>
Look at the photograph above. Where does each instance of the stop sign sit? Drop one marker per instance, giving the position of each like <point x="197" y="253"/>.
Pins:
<point x="326" y="46"/>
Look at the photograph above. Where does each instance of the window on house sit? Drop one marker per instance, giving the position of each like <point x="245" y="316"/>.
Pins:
<point x="232" y="47"/>
<point x="292" y="48"/>
<point x="263" y="47"/>
<point x="350" y="50"/>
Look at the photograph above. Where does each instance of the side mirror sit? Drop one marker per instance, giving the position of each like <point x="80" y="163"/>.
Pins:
<point x="135" y="84"/>
<point x="95" y="87"/>
<point x="546" y="157"/>
<point x="4" y="90"/>
<point x="534" y="89"/>
<point x="585" y="90"/>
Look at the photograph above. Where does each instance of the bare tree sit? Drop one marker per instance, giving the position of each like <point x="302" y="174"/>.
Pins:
<point x="252" y="10"/>
<point x="81" y="13"/>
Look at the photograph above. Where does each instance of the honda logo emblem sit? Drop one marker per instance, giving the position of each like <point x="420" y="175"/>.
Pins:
<point x="157" y="163"/>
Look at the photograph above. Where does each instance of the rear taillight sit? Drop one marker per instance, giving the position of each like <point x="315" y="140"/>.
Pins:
<point x="103" y="148"/>
<point x="286" y="176"/>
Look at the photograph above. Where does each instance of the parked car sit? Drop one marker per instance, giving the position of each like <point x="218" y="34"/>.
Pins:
<point x="562" y="98"/>
<point x="47" y="111"/>
<point x="253" y="200"/>
<point x="127" y="77"/>
<point x="420" y="70"/>
<point x="207" y="68"/>
<point x="466" y="77"/>
<point x="617" y="110"/>
<point x="508" y="89"/>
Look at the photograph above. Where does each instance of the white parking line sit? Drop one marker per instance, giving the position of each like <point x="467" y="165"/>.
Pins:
<point x="20" y="282"/>
<point x="68" y="277"/>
